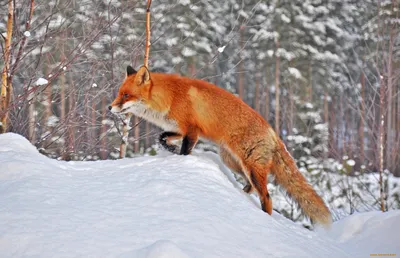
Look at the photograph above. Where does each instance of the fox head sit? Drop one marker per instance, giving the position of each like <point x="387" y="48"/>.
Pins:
<point x="133" y="92"/>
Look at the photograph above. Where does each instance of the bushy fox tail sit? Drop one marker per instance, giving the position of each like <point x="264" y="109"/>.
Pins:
<point x="289" y="177"/>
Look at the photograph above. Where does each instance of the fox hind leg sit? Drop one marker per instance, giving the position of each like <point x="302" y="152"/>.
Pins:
<point x="235" y="166"/>
<point x="259" y="180"/>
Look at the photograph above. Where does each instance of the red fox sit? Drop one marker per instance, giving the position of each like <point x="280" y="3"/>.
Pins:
<point x="189" y="108"/>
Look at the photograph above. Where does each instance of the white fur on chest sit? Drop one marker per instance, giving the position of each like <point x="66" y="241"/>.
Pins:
<point x="155" y="117"/>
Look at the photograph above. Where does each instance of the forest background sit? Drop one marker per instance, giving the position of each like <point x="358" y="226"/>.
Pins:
<point x="324" y="73"/>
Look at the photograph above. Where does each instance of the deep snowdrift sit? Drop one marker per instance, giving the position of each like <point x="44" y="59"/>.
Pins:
<point x="163" y="206"/>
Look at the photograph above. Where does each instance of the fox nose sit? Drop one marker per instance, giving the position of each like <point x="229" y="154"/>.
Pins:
<point x="109" y="107"/>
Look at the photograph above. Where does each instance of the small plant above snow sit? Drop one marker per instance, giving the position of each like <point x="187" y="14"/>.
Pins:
<point x="309" y="105"/>
<point x="41" y="81"/>
<point x="351" y="162"/>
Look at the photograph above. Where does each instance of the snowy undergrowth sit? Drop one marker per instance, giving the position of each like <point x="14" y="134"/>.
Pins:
<point x="162" y="206"/>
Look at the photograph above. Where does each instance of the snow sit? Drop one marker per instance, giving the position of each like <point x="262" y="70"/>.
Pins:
<point x="41" y="81"/>
<point x="285" y="18"/>
<point x="184" y="2"/>
<point x="27" y="34"/>
<point x="221" y="49"/>
<point x="157" y="206"/>
<point x="52" y="121"/>
<point x="187" y="52"/>
<point x="351" y="162"/>
<point x="298" y="139"/>
<point x="294" y="72"/>
<point x="375" y="228"/>
<point x="171" y="41"/>
<point x="309" y="105"/>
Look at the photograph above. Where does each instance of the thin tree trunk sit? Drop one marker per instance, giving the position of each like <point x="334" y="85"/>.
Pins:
<point x="125" y="135"/>
<point x="389" y="131"/>
<point x="137" y="135"/>
<point x="47" y="107"/>
<point x="47" y="111"/>
<point x="339" y="127"/>
<point x="86" y="126"/>
<point x="291" y="110"/>
<point x="398" y="130"/>
<point x="70" y="123"/>
<point x="266" y="95"/>
<point x="362" y="119"/>
<point x="257" y="97"/>
<point x="192" y="67"/>
<point x="277" y="74"/>
<point x="147" y="143"/>
<point x="348" y="136"/>
<point x="326" y="108"/>
<point x="241" y="69"/>
<point x="103" y="135"/>
<point x="62" y="83"/>
<point x="93" y="128"/>
<point x="148" y="31"/>
<point x="62" y="106"/>
<point x="310" y="86"/>
<point x="6" y="84"/>
<point x="326" y="120"/>
<point x="332" y="124"/>
<point x="31" y="117"/>
<point x="381" y="141"/>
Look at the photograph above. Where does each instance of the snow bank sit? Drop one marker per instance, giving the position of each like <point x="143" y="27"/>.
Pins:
<point x="153" y="207"/>
<point x="369" y="233"/>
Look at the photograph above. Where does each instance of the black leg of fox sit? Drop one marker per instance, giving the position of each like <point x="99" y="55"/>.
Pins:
<point x="187" y="145"/>
<point x="163" y="141"/>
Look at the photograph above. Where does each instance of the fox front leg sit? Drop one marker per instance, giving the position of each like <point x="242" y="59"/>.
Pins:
<point x="163" y="140"/>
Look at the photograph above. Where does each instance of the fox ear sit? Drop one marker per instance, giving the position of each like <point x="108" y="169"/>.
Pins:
<point x="142" y="76"/>
<point x="130" y="70"/>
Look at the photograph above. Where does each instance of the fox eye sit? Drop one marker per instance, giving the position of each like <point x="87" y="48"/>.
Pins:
<point x="125" y="96"/>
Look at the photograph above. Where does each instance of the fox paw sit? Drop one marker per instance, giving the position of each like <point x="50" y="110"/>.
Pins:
<point x="248" y="188"/>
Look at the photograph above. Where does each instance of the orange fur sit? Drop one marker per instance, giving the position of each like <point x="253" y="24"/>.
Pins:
<point x="249" y="145"/>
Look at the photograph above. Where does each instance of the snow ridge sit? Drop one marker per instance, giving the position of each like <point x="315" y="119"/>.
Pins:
<point x="162" y="206"/>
